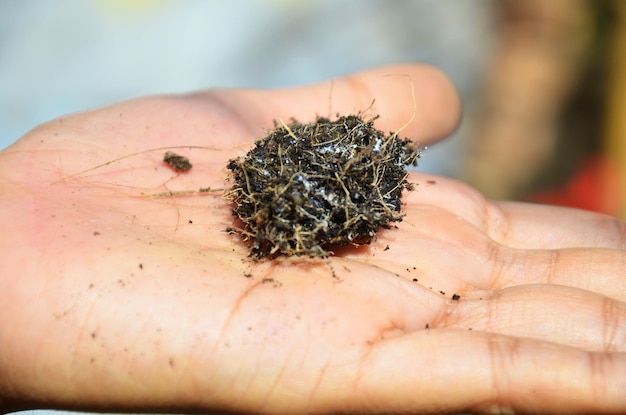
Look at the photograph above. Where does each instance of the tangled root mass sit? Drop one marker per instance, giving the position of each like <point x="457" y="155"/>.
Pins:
<point x="305" y="188"/>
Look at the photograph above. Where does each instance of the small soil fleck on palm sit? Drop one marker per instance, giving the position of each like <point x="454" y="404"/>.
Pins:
<point x="177" y="162"/>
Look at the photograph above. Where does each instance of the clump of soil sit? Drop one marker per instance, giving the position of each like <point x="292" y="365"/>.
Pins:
<point x="305" y="188"/>
<point x="177" y="162"/>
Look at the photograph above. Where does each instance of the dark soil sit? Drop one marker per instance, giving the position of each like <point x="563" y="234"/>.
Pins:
<point x="305" y="188"/>
<point x="177" y="162"/>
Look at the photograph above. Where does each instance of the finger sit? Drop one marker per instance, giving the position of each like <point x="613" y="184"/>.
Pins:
<point x="474" y="261"/>
<point x="519" y="225"/>
<point x="564" y="315"/>
<point x="453" y="197"/>
<point x="454" y="371"/>
<point x="418" y="99"/>
<point x="597" y="270"/>
<point x="548" y="227"/>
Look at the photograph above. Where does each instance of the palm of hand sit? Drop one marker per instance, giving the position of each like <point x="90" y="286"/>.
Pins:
<point x="130" y="294"/>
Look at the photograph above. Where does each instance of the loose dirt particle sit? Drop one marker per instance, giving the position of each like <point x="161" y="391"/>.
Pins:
<point x="177" y="162"/>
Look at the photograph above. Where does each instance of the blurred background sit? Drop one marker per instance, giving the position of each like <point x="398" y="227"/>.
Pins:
<point x="543" y="82"/>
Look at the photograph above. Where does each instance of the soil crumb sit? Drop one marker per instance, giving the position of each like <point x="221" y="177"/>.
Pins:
<point x="307" y="187"/>
<point x="177" y="162"/>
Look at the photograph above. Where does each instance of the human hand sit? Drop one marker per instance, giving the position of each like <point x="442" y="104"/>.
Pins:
<point x="121" y="290"/>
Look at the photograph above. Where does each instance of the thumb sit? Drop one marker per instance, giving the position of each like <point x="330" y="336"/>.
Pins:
<point x="417" y="100"/>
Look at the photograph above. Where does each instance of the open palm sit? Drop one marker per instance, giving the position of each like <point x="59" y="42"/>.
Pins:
<point x="121" y="289"/>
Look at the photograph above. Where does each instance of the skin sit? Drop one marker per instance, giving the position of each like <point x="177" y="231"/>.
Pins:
<point x="117" y="296"/>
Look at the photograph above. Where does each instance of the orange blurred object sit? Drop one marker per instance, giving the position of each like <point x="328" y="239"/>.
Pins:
<point x="597" y="186"/>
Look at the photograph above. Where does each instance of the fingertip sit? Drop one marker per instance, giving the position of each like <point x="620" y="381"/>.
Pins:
<point x="418" y="99"/>
<point x="441" y="104"/>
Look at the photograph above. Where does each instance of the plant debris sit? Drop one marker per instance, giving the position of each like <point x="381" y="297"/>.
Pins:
<point x="177" y="162"/>
<point x="307" y="187"/>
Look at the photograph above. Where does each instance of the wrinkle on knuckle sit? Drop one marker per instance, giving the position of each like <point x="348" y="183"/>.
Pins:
<point x="496" y="222"/>
<point x="613" y="329"/>
<point x="232" y="106"/>
<point x="552" y="265"/>
<point x="359" y="87"/>
<point x="500" y="261"/>
<point x="503" y="357"/>
<point x="598" y="363"/>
